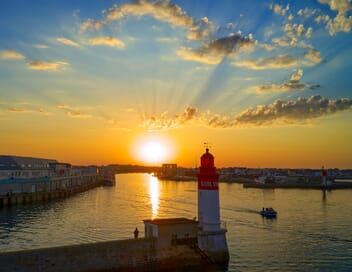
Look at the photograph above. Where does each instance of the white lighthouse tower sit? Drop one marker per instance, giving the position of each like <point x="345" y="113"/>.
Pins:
<point x="211" y="236"/>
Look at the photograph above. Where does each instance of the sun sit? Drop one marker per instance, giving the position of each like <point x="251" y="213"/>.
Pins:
<point x="153" y="150"/>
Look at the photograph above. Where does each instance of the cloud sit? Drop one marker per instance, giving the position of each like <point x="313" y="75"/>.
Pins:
<point x="307" y="12"/>
<point x="67" y="42"/>
<point x="73" y="112"/>
<point x="23" y="108"/>
<point x="215" y="51"/>
<point x="90" y="24"/>
<point x="342" y="22"/>
<point x="280" y="10"/>
<point x="107" y="41"/>
<point x="322" y="19"/>
<point x="296" y="111"/>
<point x="165" y="40"/>
<point x="11" y="55"/>
<point x="276" y="62"/>
<point x="294" y="34"/>
<point x="313" y="56"/>
<point x="164" y="122"/>
<point x="201" y="29"/>
<point x="294" y="83"/>
<point x="161" y="10"/>
<point x="292" y="111"/>
<point x="41" y="65"/>
<point x="41" y="46"/>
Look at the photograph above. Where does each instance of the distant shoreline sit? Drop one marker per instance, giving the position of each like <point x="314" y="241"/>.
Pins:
<point x="333" y="186"/>
<point x="249" y="183"/>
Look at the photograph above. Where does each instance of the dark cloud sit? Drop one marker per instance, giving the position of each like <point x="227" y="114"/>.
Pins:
<point x="215" y="51"/>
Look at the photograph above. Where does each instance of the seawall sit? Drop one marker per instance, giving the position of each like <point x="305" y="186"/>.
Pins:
<point x="123" y="255"/>
<point x="27" y="191"/>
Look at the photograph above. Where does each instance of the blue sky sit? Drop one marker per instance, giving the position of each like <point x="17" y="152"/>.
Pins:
<point x="160" y="65"/>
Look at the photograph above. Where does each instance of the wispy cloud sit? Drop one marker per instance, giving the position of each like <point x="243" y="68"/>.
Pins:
<point x="23" y="108"/>
<point x="68" y="42"/>
<point x="107" y="41"/>
<point x="11" y="55"/>
<point x="41" y="65"/>
<point x="90" y="24"/>
<point x="164" y="122"/>
<point x="41" y="46"/>
<point x="165" y="39"/>
<point x="73" y="112"/>
<point x="275" y="62"/>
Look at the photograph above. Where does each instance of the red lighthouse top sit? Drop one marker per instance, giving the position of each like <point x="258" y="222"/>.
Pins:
<point x="208" y="177"/>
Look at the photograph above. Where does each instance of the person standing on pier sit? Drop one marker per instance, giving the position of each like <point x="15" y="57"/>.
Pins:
<point x="136" y="232"/>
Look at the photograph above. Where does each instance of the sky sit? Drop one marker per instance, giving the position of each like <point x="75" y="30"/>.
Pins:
<point x="264" y="83"/>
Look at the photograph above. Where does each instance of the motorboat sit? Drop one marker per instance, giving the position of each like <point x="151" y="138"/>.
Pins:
<point x="268" y="212"/>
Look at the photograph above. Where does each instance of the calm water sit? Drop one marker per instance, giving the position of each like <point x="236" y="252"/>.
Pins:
<point x="312" y="233"/>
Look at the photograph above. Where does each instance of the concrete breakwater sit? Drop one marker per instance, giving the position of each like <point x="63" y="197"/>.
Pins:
<point x="34" y="190"/>
<point x="124" y="255"/>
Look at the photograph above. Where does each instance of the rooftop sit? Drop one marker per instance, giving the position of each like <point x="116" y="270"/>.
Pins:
<point x="170" y="221"/>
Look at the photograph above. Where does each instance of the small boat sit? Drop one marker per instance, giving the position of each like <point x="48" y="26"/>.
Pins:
<point x="109" y="180"/>
<point x="268" y="213"/>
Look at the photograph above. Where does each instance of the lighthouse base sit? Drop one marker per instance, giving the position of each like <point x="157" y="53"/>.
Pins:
<point x="214" y="245"/>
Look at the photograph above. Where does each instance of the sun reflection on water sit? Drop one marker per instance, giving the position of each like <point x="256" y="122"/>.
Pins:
<point x="154" y="193"/>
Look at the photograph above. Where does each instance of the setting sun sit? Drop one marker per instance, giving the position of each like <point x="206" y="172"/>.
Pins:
<point x="153" y="152"/>
<point x="153" y="149"/>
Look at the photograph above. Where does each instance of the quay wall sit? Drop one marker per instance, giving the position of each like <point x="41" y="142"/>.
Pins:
<point x="34" y="190"/>
<point x="123" y="255"/>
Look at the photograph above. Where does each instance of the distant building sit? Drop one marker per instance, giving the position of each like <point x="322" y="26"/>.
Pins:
<point x="24" y="167"/>
<point x="169" y="170"/>
<point x="16" y="167"/>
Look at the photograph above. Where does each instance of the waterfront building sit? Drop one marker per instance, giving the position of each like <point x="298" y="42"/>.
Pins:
<point x="24" y="167"/>
<point x="27" y="175"/>
<point x="169" y="169"/>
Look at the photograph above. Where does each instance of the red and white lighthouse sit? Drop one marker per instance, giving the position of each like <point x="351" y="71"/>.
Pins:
<point x="208" y="194"/>
<point x="211" y="236"/>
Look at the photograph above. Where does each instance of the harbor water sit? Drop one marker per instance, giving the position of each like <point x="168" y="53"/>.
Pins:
<point x="313" y="230"/>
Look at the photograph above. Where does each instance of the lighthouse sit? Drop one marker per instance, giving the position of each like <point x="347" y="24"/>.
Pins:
<point x="211" y="235"/>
